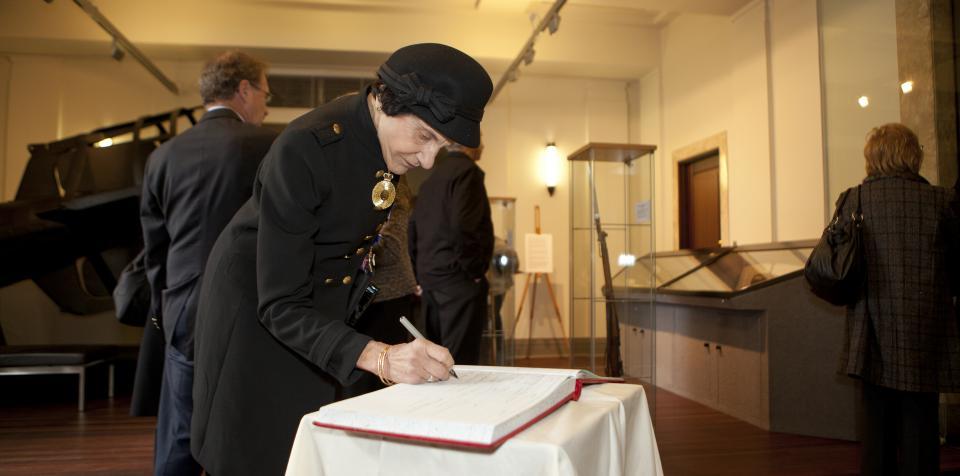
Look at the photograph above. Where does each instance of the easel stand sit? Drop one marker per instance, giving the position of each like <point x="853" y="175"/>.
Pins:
<point x="533" y="298"/>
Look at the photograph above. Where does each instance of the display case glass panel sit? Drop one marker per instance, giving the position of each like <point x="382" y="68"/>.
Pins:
<point x="742" y="269"/>
<point x="497" y="344"/>
<point x="611" y="196"/>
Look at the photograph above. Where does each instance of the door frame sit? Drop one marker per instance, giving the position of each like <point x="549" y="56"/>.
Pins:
<point x="696" y="150"/>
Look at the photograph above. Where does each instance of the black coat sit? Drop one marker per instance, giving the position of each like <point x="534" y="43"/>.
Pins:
<point x="450" y="232"/>
<point x="902" y="333"/>
<point x="193" y="185"/>
<point x="272" y="344"/>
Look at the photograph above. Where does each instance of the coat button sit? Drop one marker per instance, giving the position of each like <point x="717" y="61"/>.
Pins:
<point x="347" y="280"/>
<point x="328" y="281"/>
<point x="360" y="251"/>
<point x="336" y="128"/>
<point x="367" y="237"/>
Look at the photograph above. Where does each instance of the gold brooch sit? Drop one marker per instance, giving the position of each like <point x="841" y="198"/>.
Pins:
<point x="384" y="192"/>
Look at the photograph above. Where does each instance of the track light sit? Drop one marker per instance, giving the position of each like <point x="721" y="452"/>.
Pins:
<point x="116" y="52"/>
<point x="528" y="56"/>
<point x="554" y="24"/>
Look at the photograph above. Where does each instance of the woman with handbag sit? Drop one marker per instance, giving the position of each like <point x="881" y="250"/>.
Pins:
<point x="902" y="338"/>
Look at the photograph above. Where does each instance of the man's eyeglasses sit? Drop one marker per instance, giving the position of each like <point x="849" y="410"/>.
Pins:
<point x="268" y="94"/>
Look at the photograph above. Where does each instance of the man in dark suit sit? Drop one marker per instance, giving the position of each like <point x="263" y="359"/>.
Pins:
<point x="193" y="185"/>
<point x="451" y="244"/>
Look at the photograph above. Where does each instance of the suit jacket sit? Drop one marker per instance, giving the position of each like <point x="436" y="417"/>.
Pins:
<point x="451" y="235"/>
<point x="902" y="332"/>
<point x="272" y="344"/>
<point x="193" y="185"/>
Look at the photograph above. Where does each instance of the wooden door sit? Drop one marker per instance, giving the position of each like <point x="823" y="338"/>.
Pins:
<point x="699" y="194"/>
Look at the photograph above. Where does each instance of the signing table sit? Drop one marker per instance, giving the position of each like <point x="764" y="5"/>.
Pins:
<point x="607" y="432"/>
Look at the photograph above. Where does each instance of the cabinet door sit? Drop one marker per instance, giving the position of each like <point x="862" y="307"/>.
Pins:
<point x="664" y="359"/>
<point x="637" y="348"/>
<point x="644" y="352"/>
<point x="741" y="391"/>
<point x="694" y="370"/>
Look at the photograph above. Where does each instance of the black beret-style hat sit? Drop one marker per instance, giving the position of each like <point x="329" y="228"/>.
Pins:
<point x="441" y="85"/>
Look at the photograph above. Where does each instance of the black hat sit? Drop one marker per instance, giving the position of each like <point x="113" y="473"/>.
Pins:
<point x="441" y="85"/>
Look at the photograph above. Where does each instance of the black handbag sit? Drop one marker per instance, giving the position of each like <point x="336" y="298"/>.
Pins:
<point x="836" y="268"/>
<point x="131" y="297"/>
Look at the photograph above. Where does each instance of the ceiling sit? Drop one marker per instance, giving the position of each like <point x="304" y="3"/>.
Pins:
<point x="596" y="38"/>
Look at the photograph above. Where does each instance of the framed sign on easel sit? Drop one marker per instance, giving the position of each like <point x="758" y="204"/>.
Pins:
<point x="538" y="263"/>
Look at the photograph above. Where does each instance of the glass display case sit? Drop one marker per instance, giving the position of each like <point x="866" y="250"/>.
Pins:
<point x="612" y="224"/>
<point x="726" y="324"/>
<point x="719" y="272"/>
<point x="497" y="345"/>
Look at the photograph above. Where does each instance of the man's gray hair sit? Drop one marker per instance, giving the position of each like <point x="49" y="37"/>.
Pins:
<point x="221" y="76"/>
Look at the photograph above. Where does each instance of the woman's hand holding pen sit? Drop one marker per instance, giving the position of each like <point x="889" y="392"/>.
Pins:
<point x="418" y="362"/>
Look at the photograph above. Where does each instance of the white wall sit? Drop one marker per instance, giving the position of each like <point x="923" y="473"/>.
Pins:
<point x="525" y="117"/>
<point x="756" y="76"/>
<point x="796" y="121"/>
<point x="713" y="79"/>
<point x="859" y="40"/>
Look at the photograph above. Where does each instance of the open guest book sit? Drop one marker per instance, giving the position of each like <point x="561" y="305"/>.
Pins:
<point x="482" y="409"/>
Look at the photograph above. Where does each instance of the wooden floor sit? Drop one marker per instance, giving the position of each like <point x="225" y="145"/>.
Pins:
<point x="50" y="438"/>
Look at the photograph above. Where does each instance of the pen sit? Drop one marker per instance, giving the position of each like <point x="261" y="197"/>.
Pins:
<point x="417" y="335"/>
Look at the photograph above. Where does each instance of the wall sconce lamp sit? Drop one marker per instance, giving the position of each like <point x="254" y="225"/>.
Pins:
<point x="550" y="167"/>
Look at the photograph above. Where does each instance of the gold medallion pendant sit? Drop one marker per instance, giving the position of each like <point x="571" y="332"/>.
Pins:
<point x="384" y="192"/>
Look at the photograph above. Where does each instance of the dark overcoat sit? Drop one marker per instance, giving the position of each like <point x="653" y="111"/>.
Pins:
<point x="450" y="238"/>
<point x="902" y="331"/>
<point x="193" y="185"/>
<point x="272" y="344"/>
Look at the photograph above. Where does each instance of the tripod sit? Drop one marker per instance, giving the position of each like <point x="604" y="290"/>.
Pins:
<point x="533" y="298"/>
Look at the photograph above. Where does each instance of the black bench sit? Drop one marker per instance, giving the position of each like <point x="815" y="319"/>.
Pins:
<point x="58" y="359"/>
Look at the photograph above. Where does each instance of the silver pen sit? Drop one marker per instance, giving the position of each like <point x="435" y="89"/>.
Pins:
<point x="417" y="335"/>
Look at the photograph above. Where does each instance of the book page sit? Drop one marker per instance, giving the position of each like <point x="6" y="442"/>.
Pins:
<point x="571" y="373"/>
<point x="481" y="406"/>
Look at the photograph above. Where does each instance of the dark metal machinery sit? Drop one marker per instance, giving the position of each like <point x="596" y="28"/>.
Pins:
<point x="75" y="220"/>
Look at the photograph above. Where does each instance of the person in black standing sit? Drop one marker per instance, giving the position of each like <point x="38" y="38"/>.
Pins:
<point x="451" y="244"/>
<point x="275" y="337"/>
<point x="193" y="185"/>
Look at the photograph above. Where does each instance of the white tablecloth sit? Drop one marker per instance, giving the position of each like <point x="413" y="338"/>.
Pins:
<point x="608" y="431"/>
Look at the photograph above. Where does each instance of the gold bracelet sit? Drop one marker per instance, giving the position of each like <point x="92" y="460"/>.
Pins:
<point x="380" y="361"/>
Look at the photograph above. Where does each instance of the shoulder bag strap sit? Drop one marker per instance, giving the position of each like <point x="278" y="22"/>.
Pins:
<point x="836" y="213"/>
